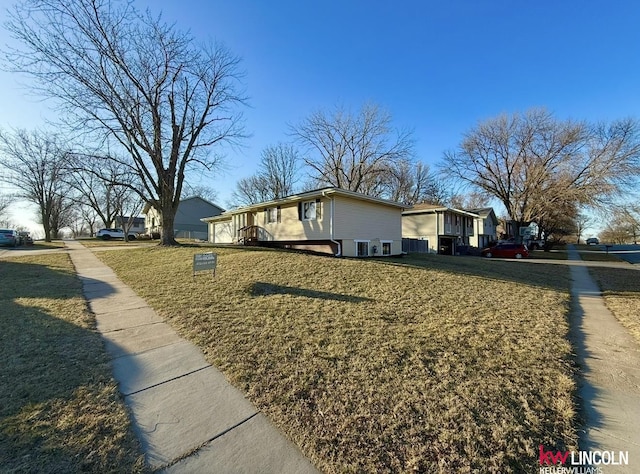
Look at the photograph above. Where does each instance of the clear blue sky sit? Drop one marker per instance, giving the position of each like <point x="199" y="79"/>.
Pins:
<point x="438" y="66"/>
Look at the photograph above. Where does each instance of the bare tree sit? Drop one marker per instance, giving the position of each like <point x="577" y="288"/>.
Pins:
<point x="471" y="200"/>
<point x="251" y="190"/>
<point x="131" y="79"/>
<point x="205" y="192"/>
<point x="279" y="166"/>
<point x="352" y="151"/>
<point x="625" y="222"/>
<point x="535" y="164"/>
<point x="5" y="202"/>
<point x="35" y="165"/>
<point x="411" y="182"/>
<point x="277" y="176"/>
<point x="100" y="183"/>
<point x="582" y="221"/>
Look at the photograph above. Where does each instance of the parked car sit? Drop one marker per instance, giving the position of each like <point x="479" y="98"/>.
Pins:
<point x="506" y="250"/>
<point x="535" y="244"/>
<point x="25" y="238"/>
<point x="593" y="241"/>
<point x="9" y="238"/>
<point x="107" y="234"/>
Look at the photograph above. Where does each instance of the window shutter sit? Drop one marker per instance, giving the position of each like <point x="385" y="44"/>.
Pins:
<point x="300" y="211"/>
<point x="318" y="209"/>
<point x="279" y="215"/>
<point x="266" y="216"/>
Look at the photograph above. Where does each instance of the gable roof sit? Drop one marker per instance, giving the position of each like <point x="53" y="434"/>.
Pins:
<point x="424" y="208"/>
<point x="485" y="212"/>
<point x="148" y="205"/>
<point x="314" y="194"/>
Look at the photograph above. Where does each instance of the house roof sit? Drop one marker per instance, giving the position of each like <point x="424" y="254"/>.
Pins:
<point x="424" y="208"/>
<point x="316" y="193"/>
<point x="148" y="205"/>
<point x="485" y="212"/>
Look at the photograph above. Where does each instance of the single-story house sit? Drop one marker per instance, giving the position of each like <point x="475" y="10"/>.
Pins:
<point x="328" y="220"/>
<point x="485" y="227"/>
<point x="188" y="221"/>
<point x="446" y="230"/>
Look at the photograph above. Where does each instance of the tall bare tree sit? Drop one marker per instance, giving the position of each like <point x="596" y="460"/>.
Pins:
<point x="128" y="77"/>
<point x="472" y="200"/>
<point x="411" y="182"/>
<point x="35" y="164"/>
<point x="100" y="183"/>
<point x="352" y="151"/>
<point x="277" y="176"/>
<point x="582" y="221"/>
<point x="535" y="164"/>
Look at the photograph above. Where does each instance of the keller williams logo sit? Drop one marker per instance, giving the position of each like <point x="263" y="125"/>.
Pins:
<point x="583" y="458"/>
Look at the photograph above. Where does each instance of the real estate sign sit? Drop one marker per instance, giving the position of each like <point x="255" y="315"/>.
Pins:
<point x="204" y="262"/>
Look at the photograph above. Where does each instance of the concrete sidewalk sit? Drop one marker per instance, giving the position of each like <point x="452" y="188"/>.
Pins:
<point x="610" y="361"/>
<point x="186" y="415"/>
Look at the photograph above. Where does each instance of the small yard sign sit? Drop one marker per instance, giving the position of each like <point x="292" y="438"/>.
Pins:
<point x="204" y="262"/>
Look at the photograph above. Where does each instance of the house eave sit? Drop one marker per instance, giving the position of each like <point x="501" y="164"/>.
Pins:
<point x="316" y="193"/>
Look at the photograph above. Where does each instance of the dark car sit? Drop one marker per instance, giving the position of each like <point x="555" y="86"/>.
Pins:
<point x="8" y="238"/>
<point x="506" y="250"/>
<point x="25" y="238"/>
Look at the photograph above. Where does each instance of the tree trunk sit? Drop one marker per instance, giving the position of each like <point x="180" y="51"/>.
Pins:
<point x="168" y="232"/>
<point x="46" y="225"/>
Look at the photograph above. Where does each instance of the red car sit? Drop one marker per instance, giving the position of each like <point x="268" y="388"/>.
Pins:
<point x="506" y="250"/>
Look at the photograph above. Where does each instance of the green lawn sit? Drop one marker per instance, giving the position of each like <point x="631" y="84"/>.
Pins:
<point x="424" y="363"/>
<point x="60" y="411"/>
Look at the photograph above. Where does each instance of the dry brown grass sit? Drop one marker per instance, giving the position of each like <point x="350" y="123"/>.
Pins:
<point x="621" y="291"/>
<point x="94" y="242"/>
<point x="59" y="407"/>
<point x="598" y="256"/>
<point x="425" y="364"/>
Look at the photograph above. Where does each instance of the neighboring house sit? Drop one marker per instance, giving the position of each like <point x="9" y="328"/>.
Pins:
<point x="137" y="225"/>
<point x="188" y="221"/>
<point x="328" y="220"/>
<point x="485" y="227"/>
<point x="446" y="230"/>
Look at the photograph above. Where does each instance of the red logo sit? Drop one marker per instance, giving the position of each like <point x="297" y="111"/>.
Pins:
<point x="551" y="459"/>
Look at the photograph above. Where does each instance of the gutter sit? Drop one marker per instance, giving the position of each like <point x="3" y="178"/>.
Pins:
<point x="339" y="253"/>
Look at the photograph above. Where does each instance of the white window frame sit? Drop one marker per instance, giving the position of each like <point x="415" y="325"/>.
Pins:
<point x="272" y="215"/>
<point x="368" y="242"/>
<point x="306" y="207"/>
<point x="382" y="242"/>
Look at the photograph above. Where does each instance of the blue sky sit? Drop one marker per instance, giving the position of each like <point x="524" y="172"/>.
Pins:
<point x="438" y="67"/>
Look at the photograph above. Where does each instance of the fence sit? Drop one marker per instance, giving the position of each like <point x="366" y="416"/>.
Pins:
<point x="415" y="246"/>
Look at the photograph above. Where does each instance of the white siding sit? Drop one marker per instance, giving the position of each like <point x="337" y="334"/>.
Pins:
<point x="362" y="220"/>
<point x="222" y="232"/>
<point x="291" y="227"/>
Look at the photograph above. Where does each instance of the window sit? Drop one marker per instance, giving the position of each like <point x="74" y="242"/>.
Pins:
<point x="362" y="248"/>
<point x="272" y="214"/>
<point x="386" y="247"/>
<point x="308" y="211"/>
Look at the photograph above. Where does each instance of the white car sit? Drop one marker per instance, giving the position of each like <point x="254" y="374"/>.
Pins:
<point x="106" y="234"/>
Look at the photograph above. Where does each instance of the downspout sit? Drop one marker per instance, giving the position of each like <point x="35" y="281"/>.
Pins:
<point x="437" y="247"/>
<point x="338" y="244"/>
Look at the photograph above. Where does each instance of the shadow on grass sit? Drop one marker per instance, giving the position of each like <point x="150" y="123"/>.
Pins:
<point x="265" y="289"/>
<point x="52" y="364"/>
